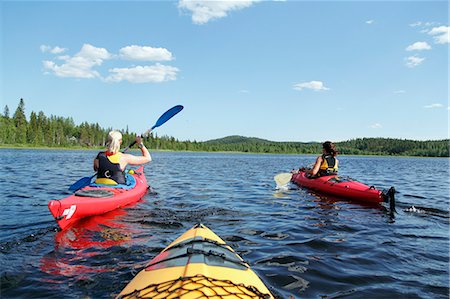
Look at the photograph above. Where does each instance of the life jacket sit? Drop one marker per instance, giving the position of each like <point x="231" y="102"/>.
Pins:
<point x="109" y="169"/>
<point x="328" y="166"/>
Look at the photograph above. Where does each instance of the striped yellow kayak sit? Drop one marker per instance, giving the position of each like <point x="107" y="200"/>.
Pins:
<point x="198" y="264"/>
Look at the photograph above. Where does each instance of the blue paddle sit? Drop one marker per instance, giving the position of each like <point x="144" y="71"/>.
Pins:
<point x="161" y="120"/>
<point x="81" y="183"/>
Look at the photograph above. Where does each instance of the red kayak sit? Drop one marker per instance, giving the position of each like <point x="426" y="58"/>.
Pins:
<point x="345" y="188"/>
<point x="98" y="199"/>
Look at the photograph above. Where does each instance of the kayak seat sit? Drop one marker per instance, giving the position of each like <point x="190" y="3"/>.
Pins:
<point x="131" y="183"/>
<point x="105" y="181"/>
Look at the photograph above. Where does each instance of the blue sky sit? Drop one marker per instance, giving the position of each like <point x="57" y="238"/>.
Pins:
<point x="278" y="70"/>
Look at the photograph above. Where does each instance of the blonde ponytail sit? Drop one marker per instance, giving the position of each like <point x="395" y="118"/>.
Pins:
<point x="114" y="138"/>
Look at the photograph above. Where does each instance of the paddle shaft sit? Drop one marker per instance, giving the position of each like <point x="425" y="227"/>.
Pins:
<point x="161" y="120"/>
<point x="134" y="142"/>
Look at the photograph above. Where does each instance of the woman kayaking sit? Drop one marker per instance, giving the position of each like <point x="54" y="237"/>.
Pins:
<point x="110" y="164"/>
<point x="326" y="164"/>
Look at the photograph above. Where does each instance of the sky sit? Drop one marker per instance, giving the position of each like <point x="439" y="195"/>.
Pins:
<point x="278" y="70"/>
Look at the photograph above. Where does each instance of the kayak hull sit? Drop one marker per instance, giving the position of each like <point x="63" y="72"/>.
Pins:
<point x="198" y="264"/>
<point x="73" y="208"/>
<point x="343" y="188"/>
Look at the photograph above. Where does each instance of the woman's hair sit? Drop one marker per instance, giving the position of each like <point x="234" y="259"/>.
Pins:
<point x="114" y="138"/>
<point x="330" y="148"/>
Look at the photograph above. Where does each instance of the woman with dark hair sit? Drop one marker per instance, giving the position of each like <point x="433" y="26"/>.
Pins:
<point x="326" y="164"/>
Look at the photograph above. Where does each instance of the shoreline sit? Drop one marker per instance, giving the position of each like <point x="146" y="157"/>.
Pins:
<point x="17" y="147"/>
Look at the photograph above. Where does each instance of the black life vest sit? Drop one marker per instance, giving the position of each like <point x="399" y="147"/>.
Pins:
<point x="109" y="167"/>
<point x="328" y="166"/>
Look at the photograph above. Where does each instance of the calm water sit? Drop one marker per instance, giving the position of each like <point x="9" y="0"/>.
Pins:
<point x="301" y="244"/>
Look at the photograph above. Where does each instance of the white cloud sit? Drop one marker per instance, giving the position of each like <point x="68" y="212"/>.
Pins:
<point x="205" y="11"/>
<point x="413" y="61"/>
<point x="144" y="53"/>
<point x="376" y="126"/>
<point x="84" y="63"/>
<point x="54" y="50"/>
<point x="418" y="46"/>
<point x="399" y="91"/>
<point x="93" y="53"/>
<point x="422" y="24"/>
<point x="81" y="64"/>
<point x="143" y="74"/>
<point x="369" y="22"/>
<point x="314" y="85"/>
<point x="433" y="106"/>
<point x="71" y="69"/>
<point x="440" y="34"/>
<point x="45" y="48"/>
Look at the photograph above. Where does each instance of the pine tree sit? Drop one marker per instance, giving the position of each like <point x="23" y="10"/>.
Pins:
<point x="6" y="112"/>
<point x="20" y="122"/>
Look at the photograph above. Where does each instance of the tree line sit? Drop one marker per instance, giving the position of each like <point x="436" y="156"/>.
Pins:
<point x="360" y="146"/>
<point x="59" y="132"/>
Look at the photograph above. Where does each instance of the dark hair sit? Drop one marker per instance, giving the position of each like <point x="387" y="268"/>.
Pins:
<point x="330" y="148"/>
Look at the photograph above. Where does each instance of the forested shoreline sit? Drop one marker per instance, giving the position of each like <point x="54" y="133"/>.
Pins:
<point x="40" y="130"/>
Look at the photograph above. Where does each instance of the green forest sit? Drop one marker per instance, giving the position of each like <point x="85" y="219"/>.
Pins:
<point x="40" y="130"/>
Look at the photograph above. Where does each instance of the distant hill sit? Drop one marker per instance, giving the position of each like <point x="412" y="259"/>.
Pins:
<point x="244" y="144"/>
<point x="233" y="139"/>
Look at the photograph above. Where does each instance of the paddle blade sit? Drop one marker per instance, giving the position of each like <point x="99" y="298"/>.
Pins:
<point x="161" y="120"/>
<point x="83" y="182"/>
<point x="282" y="179"/>
<point x="167" y="115"/>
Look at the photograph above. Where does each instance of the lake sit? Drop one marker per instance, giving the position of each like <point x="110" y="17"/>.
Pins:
<point x="301" y="244"/>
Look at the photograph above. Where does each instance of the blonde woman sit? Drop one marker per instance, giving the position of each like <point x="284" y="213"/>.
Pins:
<point x="110" y="164"/>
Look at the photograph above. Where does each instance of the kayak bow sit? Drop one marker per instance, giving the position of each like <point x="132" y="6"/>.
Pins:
<point x="198" y="264"/>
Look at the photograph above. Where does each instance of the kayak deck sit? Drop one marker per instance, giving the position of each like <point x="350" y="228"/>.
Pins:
<point x="342" y="187"/>
<point x="198" y="264"/>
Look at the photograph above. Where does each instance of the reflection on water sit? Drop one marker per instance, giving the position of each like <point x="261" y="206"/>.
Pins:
<point x="76" y="248"/>
<point x="301" y="243"/>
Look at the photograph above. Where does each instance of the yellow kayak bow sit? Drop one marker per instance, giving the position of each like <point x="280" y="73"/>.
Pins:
<point x="198" y="264"/>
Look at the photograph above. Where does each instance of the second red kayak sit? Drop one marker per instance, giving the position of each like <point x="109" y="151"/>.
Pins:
<point x="98" y="199"/>
<point x="345" y="188"/>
